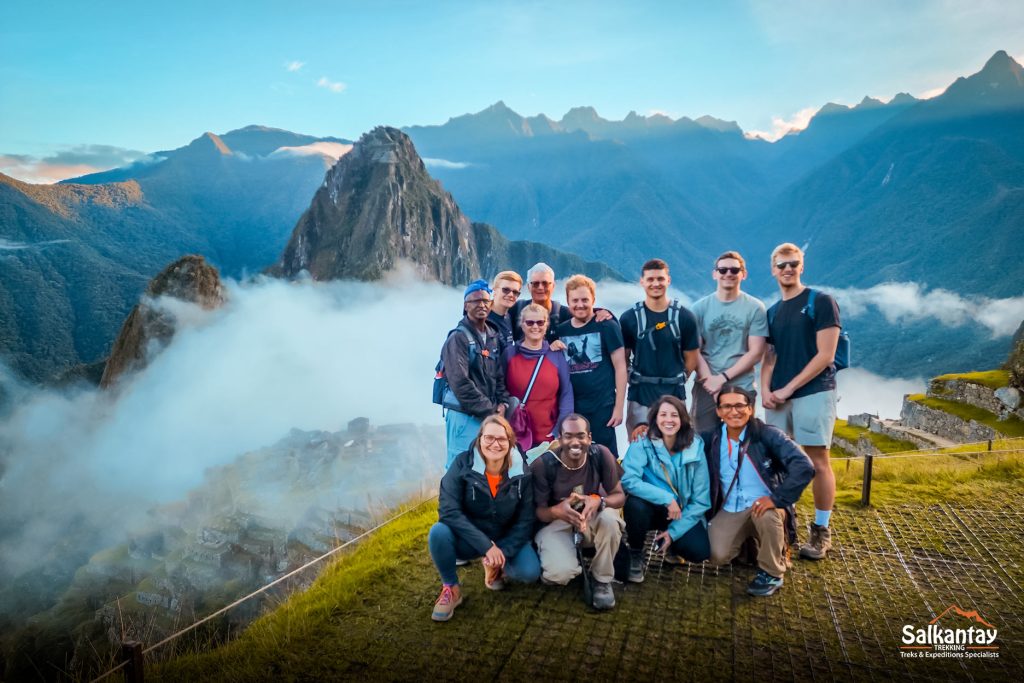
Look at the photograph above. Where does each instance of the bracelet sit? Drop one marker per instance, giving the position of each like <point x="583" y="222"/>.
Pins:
<point x="725" y="375"/>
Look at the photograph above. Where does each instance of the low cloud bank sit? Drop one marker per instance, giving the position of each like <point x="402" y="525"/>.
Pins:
<point x="67" y="163"/>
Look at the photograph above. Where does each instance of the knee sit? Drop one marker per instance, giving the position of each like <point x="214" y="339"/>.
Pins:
<point x="440" y="534"/>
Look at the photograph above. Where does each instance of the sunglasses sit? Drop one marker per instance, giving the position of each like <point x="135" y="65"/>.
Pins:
<point x="541" y="284"/>
<point x="782" y="265"/>
<point x="731" y="270"/>
<point x="509" y="290"/>
<point x="532" y="323"/>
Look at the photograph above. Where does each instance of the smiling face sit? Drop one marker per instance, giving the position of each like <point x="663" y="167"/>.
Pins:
<point x="729" y="273"/>
<point x="542" y="284"/>
<point x="574" y="439"/>
<point x="534" y="326"/>
<point x="668" y="420"/>
<point x="477" y="306"/>
<point x="494" y="443"/>
<point x="581" y="303"/>
<point x="735" y="411"/>
<point x="655" y="283"/>
<point x="506" y="292"/>
<point x="787" y="268"/>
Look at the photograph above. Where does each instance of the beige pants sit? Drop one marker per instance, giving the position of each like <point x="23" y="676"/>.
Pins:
<point x="728" y="530"/>
<point x="558" y="561"/>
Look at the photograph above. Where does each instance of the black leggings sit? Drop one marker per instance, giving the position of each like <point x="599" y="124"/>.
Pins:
<point x="600" y="432"/>
<point x="642" y="516"/>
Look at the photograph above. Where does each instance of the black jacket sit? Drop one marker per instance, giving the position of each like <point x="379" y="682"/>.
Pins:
<point x="780" y="463"/>
<point x="558" y="314"/>
<point x="479" y="386"/>
<point x="465" y="504"/>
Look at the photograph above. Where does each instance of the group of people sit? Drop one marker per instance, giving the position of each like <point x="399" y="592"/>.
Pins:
<point x="534" y="390"/>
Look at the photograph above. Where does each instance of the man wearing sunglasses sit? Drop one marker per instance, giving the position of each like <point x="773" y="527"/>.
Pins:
<point x="507" y="288"/>
<point x="541" y="281"/>
<point x="798" y="378"/>
<point x="733" y="327"/>
<point x="757" y="474"/>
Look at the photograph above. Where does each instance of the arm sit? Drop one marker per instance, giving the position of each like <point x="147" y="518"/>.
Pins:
<point x="619" y="363"/>
<point x="566" y="401"/>
<point x="703" y="369"/>
<point x="455" y="356"/>
<point x="744" y="364"/>
<point x="633" y="465"/>
<point x="542" y="494"/>
<point x="799" y="469"/>
<point x="522" y="531"/>
<point x="692" y="360"/>
<point x="449" y="511"/>
<point x="699" y="501"/>
<point x="767" y="367"/>
<point x="827" y="340"/>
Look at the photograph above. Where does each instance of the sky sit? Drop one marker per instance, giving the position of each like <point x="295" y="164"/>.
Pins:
<point x="91" y="85"/>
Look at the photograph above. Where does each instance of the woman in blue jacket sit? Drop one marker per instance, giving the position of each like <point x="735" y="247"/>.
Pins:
<point x="666" y="479"/>
<point x="485" y="508"/>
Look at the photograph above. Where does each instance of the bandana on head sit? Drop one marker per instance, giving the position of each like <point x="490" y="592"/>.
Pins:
<point x="476" y="286"/>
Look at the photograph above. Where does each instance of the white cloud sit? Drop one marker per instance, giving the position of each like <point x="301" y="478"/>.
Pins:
<point x="444" y="163"/>
<point x="861" y="391"/>
<point x="294" y="65"/>
<point x="68" y="162"/>
<point x="932" y="92"/>
<point x="332" y="150"/>
<point x="333" y="86"/>
<point x="782" y="127"/>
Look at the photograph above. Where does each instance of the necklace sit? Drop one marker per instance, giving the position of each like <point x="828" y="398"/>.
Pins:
<point x="571" y="469"/>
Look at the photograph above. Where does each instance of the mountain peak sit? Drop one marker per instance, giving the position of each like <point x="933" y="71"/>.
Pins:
<point x="999" y="83"/>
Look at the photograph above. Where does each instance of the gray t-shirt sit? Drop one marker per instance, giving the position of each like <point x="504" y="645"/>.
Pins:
<point x="724" y="327"/>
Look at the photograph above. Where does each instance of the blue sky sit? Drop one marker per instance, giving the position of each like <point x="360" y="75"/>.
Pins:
<point x="80" y="80"/>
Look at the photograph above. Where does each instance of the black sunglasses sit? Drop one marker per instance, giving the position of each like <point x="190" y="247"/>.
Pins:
<point x="538" y="323"/>
<point x="509" y="290"/>
<point x="731" y="270"/>
<point x="782" y="265"/>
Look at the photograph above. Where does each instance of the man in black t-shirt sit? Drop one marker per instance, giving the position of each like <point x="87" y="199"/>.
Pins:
<point x="578" y="489"/>
<point x="664" y="352"/>
<point x="798" y="378"/>
<point x="597" y="363"/>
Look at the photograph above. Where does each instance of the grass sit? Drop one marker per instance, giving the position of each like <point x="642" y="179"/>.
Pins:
<point x="885" y="444"/>
<point x="993" y="379"/>
<point x="1013" y="426"/>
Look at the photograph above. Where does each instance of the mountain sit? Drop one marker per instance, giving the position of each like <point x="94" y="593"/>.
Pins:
<point x="74" y="257"/>
<point x="379" y="206"/>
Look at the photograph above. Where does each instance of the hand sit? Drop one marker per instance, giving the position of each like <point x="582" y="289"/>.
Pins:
<point x="713" y="384"/>
<point x="501" y="409"/>
<point x="591" y="506"/>
<point x="782" y="395"/>
<point x="564" y="512"/>
<point x="662" y="541"/>
<point x="768" y="401"/>
<point x="602" y="314"/>
<point x="616" y="417"/>
<point x="674" y="511"/>
<point x="638" y="433"/>
<point x="761" y="505"/>
<point x="557" y="345"/>
<point x="494" y="557"/>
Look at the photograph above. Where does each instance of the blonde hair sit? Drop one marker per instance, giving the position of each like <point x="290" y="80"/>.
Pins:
<point x="577" y="281"/>
<point x="786" y="248"/>
<point x="509" y="432"/>
<point x="535" y="309"/>
<point x="507" y="275"/>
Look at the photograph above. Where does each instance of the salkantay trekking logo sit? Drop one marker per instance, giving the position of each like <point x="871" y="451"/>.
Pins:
<point x="933" y="641"/>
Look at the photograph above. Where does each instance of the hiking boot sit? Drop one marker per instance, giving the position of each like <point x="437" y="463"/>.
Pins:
<point x="604" y="596"/>
<point x="764" y="584"/>
<point x="819" y="543"/>
<point x="636" y="566"/>
<point x="494" y="578"/>
<point x="672" y="558"/>
<point x="450" y="598"/>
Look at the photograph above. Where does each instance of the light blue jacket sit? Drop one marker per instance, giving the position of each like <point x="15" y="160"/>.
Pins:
<point x="644" y="477"/>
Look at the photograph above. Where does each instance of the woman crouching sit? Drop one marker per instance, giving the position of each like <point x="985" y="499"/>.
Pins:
<point x="485" y="508"/>
<point x="666" y="478"/>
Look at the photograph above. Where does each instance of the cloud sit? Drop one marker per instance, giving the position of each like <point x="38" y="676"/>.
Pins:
<point x="861" y="391"/>
<point x="782" y="127"/>
<point x="932" y="92"/>
<point x="8" y="245"/>
<point x="333" y="86"/>
<point x="908" y="301"/>
<point x="294" y="65"/>
<point x="68" y="162"/>
<point x="332" y="150"/>
<point x="444" y="163"/>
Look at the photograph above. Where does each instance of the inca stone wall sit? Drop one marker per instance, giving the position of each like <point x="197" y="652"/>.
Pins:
<point x="918" y="416"/>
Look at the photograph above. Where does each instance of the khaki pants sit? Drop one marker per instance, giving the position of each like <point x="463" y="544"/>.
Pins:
<point x="558" y="561"/>
<point x="728" y="530"/>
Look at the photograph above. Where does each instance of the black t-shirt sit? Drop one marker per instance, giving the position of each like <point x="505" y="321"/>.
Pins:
<point x="558" y="314"/>
<point x="795" y="337"/>
<point x="589" y="352"/>
<point x="666" y="358"/>
<point x="566" y="480"/>
<point x="503" y="324"/>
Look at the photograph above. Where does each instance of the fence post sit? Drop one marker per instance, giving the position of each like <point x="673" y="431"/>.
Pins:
<point x="131" y="653"/>
<point x="990" y="444"/>
<point x="865" y="490"/>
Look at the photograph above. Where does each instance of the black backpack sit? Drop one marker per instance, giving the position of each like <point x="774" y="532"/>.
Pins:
<point x="842" y="359"/>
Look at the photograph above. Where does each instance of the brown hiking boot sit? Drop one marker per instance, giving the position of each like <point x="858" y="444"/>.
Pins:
<point x="819" y="543"/>
<point x="450" y="598"/>
<point x="494" y="578"/>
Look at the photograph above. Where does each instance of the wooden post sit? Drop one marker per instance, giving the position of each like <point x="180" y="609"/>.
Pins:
<point x="131" y="652"/>
<point x="865" y="490"/>
<point x="990" y="444"/>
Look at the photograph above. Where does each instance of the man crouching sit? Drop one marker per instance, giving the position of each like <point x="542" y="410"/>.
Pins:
<point x="577" y="489"/>
<point x="757" y="475"/>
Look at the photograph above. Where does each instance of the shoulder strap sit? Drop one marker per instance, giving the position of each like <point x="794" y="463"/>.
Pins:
<point x="474" y="347"/>
<point x="673" y="319"/>
<point x="550" y="470"/>
<point x="668" y="477"/>
<point x="770" y="313"/>
<point x="810" y="303"/>
<point x="641" y="318"/>
<point x="736" y="476"/>
<point x="533" y="378"/>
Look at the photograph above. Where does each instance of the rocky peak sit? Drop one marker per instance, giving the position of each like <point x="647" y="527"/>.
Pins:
<point x="148" y="329"/>
<point x="999" y="83"/>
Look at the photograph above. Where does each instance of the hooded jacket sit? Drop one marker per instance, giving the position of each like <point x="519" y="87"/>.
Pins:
<point x="541" y="399"/>
<point x="466" y="505"/>
<point x="644" y="477"/>
<point x="479" y="386"/>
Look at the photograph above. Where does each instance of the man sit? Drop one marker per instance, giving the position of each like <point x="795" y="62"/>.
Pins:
<point x="577" y="489"/>
<point x="798" y="378"/>
<point x="507" y="288"/>
<point x="757" y="475"/>
<point x="597" y="362"/>
<point x="541" y="281"/>
<point x="662" y="346"/>
<point x="733" y="327"/>
<point x="471" y="359"/>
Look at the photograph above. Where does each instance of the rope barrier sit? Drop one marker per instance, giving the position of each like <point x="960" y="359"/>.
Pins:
<point x="267" y="587"/>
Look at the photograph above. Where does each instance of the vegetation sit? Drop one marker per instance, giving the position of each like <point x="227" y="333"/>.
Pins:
<point x="885" y="444"/>
<point x="993" y="379"/>
<point x="1009" y="427"/>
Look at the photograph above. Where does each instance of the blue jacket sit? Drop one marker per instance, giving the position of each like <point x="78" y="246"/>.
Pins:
<point x="644" y="477"/>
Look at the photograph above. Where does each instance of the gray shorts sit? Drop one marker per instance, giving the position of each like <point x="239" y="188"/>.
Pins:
<point x="636" y="414"/>
<point x="808" y="419"/>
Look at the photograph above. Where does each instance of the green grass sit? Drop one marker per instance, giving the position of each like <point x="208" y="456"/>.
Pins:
<point x="1012" y="427"/>
<point x="993" y="379"/>
<point x="885" y="444"/>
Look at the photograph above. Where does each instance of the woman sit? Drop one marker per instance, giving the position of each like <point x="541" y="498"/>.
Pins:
<point x="666" y="478"/>
<point x="485" y="508"/>
<point x="549" y="400"/>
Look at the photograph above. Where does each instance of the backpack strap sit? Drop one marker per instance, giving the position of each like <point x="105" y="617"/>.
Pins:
<point x="673" y="320"/>
<point x="810" y="303"/>
<point x="533" y="378"/>
<point x="474" y="346"/>
<point x="641" y="319"/>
